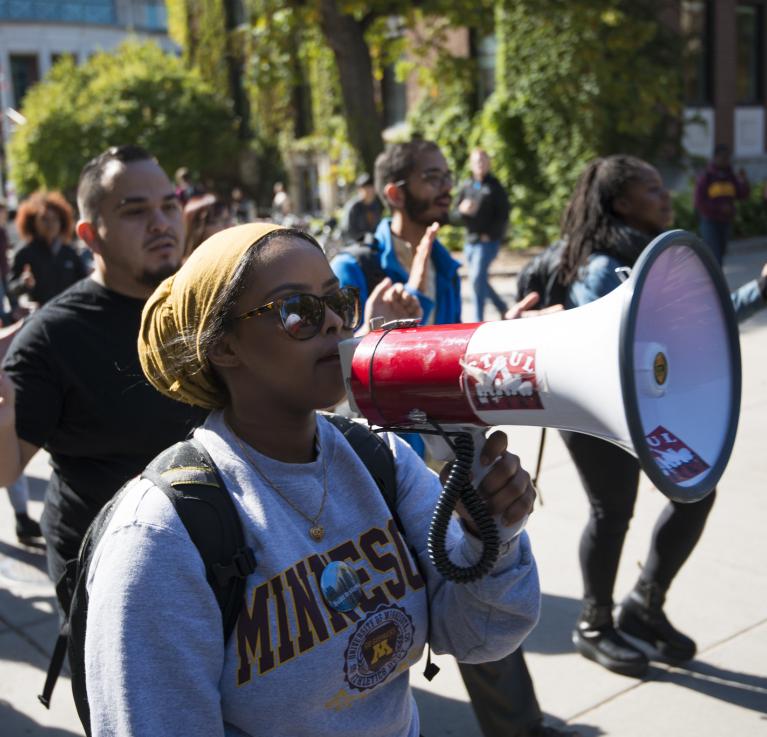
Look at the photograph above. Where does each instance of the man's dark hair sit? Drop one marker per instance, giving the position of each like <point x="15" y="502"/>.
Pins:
<point x="364" y="180"/>
<point x="398" y="161"/>
<point x="90" y="189"/>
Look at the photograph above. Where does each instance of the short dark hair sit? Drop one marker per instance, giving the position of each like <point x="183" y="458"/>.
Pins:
<point x="364" y="180"/>
<point x="90" y="189"/>
<point x="398" y="161"/>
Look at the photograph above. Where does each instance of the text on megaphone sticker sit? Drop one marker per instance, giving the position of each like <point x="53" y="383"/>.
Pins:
<point x="501" y="381"/>
<point x="676" y="459"/>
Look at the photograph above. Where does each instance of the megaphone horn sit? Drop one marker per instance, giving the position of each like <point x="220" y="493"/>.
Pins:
<point x="654" y="367"/>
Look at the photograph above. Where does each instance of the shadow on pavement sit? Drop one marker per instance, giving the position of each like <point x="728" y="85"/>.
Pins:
<point x="741" y="689"/>
<point x="17" y="724"/>
<point x="37" y="488"/>
<point x="442" y="716"/>
<point x="30" y="555"/>
<point x="552" y="635"/>
<point x="34" y="646"/>
<point x="582" y="730"/>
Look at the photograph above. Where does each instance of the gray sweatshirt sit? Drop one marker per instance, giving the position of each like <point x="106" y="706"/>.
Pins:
<point x="156" y="662"/>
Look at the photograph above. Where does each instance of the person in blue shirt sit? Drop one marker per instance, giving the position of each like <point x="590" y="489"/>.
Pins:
<point x="619" y="205"/>
<point x="414" y="180"/>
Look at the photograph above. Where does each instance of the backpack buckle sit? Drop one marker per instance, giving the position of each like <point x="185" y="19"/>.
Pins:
<point x="241" y="566"/>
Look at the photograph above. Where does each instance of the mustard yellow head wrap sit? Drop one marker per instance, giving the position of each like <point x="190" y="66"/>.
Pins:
<point x="177" y="314"/>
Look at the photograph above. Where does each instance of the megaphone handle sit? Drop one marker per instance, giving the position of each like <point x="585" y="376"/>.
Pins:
<point x="478" y="472"/>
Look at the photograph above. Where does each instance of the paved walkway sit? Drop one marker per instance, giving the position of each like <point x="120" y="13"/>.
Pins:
<point x="720" y="597"/>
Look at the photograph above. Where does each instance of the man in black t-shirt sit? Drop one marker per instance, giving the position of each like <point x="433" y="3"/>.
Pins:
<point x="72" y="382"/>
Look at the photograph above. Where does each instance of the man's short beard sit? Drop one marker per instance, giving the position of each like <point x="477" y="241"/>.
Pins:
<point x="155" y="278"/>
<point x="416" y="210"/>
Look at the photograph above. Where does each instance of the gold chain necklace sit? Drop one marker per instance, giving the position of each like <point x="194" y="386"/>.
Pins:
<point x="316" y="530"/>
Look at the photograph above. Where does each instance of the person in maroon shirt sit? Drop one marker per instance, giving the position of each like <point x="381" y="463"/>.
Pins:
<point x="716" y="192"/>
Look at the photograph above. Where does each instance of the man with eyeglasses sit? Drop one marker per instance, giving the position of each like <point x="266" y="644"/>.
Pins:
<point x="414" y="180"/>
<point x="79" y="390"/>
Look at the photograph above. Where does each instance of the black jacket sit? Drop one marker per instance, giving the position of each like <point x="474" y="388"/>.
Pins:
<point x="53" y="272"/>
<point x="492" y="216"/>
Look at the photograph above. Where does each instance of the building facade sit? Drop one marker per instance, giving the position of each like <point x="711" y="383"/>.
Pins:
<point x="35" y="33"/>
<point x="725" y="78"/>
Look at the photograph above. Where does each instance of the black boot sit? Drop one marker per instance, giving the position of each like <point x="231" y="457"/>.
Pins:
<point x="27" y="529"/>
<point x="641" y="616"/>
<point x="596" y="638"/>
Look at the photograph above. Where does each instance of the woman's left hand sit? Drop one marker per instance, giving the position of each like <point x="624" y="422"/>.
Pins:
<point x="506" y="489"/>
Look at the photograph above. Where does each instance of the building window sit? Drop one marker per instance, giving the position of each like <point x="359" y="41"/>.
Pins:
<point x="749" y="22"/>
<point x="84" y="11"/>
<point x="394" y="97"/>
<point x="25" y="71"/>
<point x="151" y="15"/>
<point x="697" y="25"/>
<point x="485" y="54"/>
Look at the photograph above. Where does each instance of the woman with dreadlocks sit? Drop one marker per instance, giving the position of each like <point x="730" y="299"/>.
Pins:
<point x="618" y="207"/>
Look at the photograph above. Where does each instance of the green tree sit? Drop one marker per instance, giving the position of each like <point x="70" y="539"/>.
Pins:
<point x="136" y="94"/>
<point x="575" y="79"/>
<point x="361" y="35"/>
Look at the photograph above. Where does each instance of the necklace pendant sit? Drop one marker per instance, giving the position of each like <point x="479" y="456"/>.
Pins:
<point x="317" y="532"/>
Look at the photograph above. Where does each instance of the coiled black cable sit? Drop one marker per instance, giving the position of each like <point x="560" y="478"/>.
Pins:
<point x="458" y="487"/>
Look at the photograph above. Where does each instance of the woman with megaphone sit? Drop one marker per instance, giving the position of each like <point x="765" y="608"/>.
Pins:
<point x="340" y="596"/>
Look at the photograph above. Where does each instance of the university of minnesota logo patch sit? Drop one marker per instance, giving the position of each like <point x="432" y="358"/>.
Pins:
<point x="377" y="646"/>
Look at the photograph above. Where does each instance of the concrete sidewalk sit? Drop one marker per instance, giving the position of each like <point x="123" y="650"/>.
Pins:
<point x="720" y="597"/>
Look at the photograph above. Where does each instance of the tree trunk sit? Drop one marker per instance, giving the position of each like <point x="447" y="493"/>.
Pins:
<point x="234" y="63"/>
<point x="346" y="37"/>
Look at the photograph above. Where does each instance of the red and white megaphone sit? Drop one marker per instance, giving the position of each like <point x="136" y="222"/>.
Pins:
<point x="654" y="367"/>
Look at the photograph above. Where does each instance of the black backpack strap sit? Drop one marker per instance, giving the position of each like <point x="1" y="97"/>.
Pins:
<point x="189" y="478"/>
<point x="379" y="461"/>
<point x="367" y="256"/>
<point x="70" y="589"/>
<point x="54" y="667"/>
<point x="377" y="457"/>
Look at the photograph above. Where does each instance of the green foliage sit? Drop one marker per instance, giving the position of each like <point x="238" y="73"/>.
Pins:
<point x="684" y="210"/>
<point x="575" y="79"/>
<point x="199" y="28"/>
<point x="751" y="214"/>
<point x="137" y="94"/>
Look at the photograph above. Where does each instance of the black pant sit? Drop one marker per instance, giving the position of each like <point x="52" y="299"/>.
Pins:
<point x="502" y="695"/>
<point x="610" y="477"/>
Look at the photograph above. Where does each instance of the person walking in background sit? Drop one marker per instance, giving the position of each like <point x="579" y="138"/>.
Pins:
<point x="483" y="206"/>
<point x="8" y="302"/>
<point x="282" y="207"/>
<point x="185" y="186"/>
<point x="28" y="531"/>
<point x="716" y="192"/>
<point x="204" y="215"/>
<point x="619" y="205"/>
<point x="46" y="264"/>
<point x="363" y="212"/>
